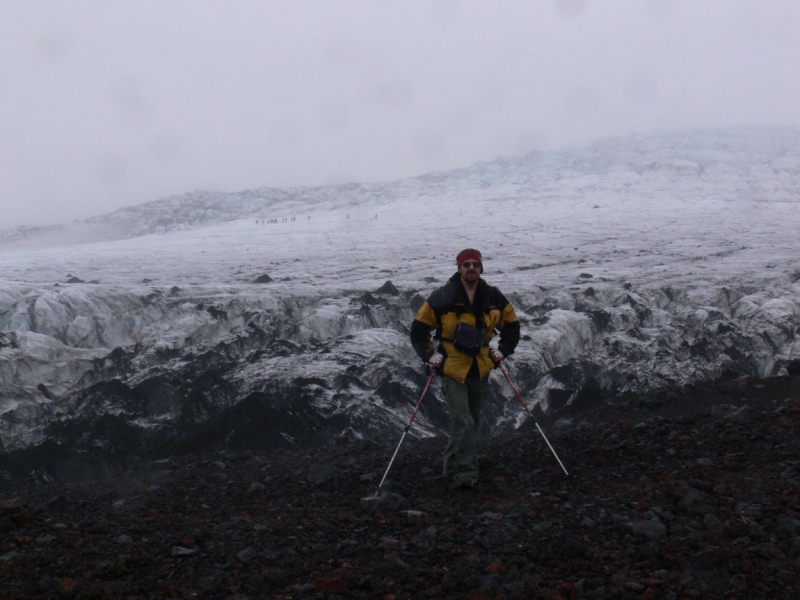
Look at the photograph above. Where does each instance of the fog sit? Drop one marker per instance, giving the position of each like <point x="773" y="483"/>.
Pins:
<point x="108" y="104"/>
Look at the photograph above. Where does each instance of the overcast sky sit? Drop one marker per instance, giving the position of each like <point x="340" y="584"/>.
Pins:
<point x="105" y="104"/>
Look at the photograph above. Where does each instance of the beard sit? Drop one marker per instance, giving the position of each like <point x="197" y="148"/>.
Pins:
<point x="470" y="276"/>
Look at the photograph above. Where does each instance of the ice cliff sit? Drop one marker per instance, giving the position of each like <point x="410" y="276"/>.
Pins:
<point x="638" y="266"/>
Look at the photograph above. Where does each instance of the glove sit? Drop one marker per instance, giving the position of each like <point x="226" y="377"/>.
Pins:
<point x="496" y="356"/>
<point x="436" y="360"/>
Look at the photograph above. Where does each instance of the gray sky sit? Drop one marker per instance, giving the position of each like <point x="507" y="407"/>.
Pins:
<point x="105" y="104"/>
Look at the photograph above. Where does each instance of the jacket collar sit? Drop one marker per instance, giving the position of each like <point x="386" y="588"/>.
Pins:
<point x="456" y="282"/>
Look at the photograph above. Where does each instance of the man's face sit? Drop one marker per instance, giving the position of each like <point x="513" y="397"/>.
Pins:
<point x="470" y="270"/>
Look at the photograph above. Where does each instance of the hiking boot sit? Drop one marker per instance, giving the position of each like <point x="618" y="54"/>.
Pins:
<point x="464" y="483"/>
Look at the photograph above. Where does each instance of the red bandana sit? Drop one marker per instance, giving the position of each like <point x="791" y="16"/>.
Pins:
<point x="468" y="255"/>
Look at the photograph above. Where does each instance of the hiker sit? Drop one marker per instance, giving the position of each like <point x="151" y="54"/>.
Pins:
<point x="465" y="313"/>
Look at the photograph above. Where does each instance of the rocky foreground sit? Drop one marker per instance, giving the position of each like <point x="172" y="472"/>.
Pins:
<point x="695" y="498"/>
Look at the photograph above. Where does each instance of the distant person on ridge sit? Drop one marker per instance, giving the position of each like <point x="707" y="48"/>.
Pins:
<point x="465" y="313"/>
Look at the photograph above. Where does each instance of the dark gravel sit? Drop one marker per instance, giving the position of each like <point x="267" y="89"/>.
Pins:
<point x="695" y="497"/>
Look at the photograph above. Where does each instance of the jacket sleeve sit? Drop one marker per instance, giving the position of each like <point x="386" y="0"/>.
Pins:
<point x="424" y="322"/>
<point x="509" y="329"/>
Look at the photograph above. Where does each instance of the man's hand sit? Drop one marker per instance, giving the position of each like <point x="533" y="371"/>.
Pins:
<point x="496" y="356"/>
<point x="436" y="360"/>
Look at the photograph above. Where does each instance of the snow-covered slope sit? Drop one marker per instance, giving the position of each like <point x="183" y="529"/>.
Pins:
<point x="637" y="265"/>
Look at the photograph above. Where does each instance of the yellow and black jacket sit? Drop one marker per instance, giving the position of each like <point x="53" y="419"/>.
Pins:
<point x="446" y="308"/>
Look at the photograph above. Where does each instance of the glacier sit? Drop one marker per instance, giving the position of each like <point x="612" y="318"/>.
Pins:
<point x="638" y="265"/>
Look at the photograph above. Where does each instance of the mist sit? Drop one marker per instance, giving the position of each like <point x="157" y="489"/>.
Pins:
<point x="105" y="105"/>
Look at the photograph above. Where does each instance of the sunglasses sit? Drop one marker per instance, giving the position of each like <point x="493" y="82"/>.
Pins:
<point x="471" y="263"/>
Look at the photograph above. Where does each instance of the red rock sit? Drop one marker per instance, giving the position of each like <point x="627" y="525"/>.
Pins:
<point x="494" y="569"/>
<point x="66" y="587"/>
<point x="334" y="585"/>
<point x="569" y="591"/>
<point x="633" y="586"/>
<point x="473" y="560"/>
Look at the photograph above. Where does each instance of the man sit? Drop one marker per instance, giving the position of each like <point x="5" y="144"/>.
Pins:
<point x="465" y="313"/>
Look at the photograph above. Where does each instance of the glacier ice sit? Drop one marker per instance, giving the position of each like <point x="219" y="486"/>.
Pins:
<point x="637" y="265"/>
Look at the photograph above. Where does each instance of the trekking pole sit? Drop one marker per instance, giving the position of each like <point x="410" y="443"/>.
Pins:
<point x="513" y="387"/>
<point x="419" y="402"/>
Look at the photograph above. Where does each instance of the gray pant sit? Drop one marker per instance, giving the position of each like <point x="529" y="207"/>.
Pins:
<point x="464" y="401"/>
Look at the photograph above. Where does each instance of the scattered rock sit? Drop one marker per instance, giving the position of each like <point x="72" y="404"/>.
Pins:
<point x="651" y="528"/>
<point x="719" y="519"/>
<point x="696" y="502"/>
<point x="245" y="556"/>
<point x="414" y="515"/>
<point x="388" y="288"/>
<point x="743" y="414"/>
<point x="385" y="501"/>
<point x="368" y="299"/>
<point x="320" y="473"/>
<point x="217" y="313"/>
<point x="703" y="486"/>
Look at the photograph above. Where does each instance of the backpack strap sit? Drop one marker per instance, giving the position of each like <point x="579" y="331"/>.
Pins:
<point x="445" y="301"/>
